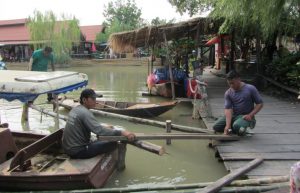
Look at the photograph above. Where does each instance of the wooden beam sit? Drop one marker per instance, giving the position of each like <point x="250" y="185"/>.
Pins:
<point x="153" y="122"/>
<point x="163" y="136"/>
<point x="215" y="187"/>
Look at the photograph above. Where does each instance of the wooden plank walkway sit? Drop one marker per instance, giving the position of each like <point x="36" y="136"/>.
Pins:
<point x="276" y="136"/>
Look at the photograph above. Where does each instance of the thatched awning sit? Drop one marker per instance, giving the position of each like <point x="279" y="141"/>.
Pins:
<point x="150" y="35"/>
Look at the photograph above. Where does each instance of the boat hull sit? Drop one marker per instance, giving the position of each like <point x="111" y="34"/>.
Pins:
<point x="126" y="108"/>
<point x="62" y="174"/>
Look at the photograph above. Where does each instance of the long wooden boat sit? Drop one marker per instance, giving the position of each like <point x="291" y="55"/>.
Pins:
<point x="42" y="165"/>
<point x="126" y="108"/>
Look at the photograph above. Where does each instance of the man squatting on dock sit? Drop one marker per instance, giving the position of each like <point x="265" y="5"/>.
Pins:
<point x="240" y="110"/>
<point x="76" y="139"/>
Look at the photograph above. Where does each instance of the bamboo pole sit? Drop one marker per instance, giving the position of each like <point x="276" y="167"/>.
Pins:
<point x="163" y="136"/>
<point x="152" y="122"/>
<point x="153" y="148"/>
<point x="216" y="186"/>
<point x="180" y="188"/>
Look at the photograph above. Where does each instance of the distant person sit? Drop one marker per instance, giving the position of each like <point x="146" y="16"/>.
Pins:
<point x="40" y="59"/>
<point x="76" y="139"/>
<point x="242" y="103"/>
<point x="39" y="62"/>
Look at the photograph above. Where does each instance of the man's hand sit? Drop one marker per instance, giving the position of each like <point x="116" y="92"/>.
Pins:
<point x="130" y="136"/>
<point x="248" y="117"/>
<point x="227" y="130"/>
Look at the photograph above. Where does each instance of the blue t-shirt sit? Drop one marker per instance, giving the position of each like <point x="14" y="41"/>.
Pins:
<point x="242" y="101"/>
<point x="40" y="61"/>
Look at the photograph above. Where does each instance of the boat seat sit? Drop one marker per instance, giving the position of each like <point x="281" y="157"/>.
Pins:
<point x="24" y="155"/>
<point x="8" y="150"/>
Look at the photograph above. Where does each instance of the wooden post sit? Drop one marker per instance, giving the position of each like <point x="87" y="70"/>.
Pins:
<point x="121" y="156"/>
<point x="168" y="130"/>
<point x="55" y="109"/>
<point x="24" y="118"/>
<point x="170" y="67"/>
<point x="216" y="186"/>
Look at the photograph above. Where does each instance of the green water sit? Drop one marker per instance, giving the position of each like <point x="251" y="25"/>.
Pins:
<point x="186" y="161"/>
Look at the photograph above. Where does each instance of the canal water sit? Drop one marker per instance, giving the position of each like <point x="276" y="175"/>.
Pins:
<point x="186" y="161"/>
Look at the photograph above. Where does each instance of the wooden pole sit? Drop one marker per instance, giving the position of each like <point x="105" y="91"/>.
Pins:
<point x="216" y="186"/>
<point x="188" y="187"/>
<point x="170" y="67"/>
<point x="24" y="118"/>
<point x="121" y="156"/>
<point x="145" y="145"/>
<point x="47" y="112"/>
<point x="163" y="136"/>
<point x="153" y="122"/>
<point x="168" y="130"/>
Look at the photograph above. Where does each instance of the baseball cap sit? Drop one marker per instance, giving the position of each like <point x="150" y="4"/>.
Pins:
<point x="86" y="93"/>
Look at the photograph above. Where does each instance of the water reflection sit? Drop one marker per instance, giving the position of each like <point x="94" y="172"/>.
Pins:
<point x="186" y="161"/>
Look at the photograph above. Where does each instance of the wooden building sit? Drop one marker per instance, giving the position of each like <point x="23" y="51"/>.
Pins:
<point x="15" y="42"/>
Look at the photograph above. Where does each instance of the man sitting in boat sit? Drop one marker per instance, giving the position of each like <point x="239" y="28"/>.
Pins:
<point x="76" y="139"/>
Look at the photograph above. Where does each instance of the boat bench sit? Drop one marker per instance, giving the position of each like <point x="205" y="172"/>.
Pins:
<point x="9" y="148"/>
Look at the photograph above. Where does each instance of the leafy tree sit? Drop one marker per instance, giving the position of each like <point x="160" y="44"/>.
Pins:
<point x="120" y="16"/>
<point x="193" y="7"/>
<point x="158" y="21"/>
<point x="115" y="27"/>
<point x="60" y="35"/>
<point x="125" y="11"/>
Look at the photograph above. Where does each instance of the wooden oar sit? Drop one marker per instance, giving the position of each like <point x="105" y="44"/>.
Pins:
<point x="162" y="136"/>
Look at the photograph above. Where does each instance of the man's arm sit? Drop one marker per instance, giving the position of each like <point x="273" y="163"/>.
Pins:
<point x="256" y="109"/>
<point x="228" y="115"/>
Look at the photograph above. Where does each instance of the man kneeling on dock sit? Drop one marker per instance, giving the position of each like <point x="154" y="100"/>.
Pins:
<point x="76" y="139"/>
<point x="240" y="110"/>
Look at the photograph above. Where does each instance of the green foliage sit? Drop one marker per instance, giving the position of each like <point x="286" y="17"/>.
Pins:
<point x="286" y="70"/>
<point x="45" y="30"/>
<point x="120" y="16"/>
<point x="116" y="26"/>
<point x="125" y="11"/>
<point x="157" y="21"/>
<point x="192" y="7"/>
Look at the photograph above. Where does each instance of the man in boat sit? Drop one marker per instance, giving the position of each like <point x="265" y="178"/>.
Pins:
<point x="39" y="62"/>
<point x="76" y="139"/>
<point x="242" y="103"/>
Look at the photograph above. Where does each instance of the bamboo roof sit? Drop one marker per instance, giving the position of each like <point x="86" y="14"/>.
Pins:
<point x="150" y="35"/>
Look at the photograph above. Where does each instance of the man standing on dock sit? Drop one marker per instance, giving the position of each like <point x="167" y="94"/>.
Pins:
<point x="242" y="103"/>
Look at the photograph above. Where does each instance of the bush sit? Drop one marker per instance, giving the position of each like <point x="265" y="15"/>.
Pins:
<point x="286" y="70"/>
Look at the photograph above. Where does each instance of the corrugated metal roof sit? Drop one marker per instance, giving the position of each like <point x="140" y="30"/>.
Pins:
<point x="90" y="32"/>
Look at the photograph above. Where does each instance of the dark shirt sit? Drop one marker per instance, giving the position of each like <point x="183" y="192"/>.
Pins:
<point x="77" y="133"/>
<point x="242" y="101"/>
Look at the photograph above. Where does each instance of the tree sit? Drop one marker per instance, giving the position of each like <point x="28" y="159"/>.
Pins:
<point x="193" y="7"/>
<point x="120" y="16"/>
<point x="125" y="11"/>
<point x="115" y="27"/>
<point x="60" y="35"/>
<point x="158" y="21"/>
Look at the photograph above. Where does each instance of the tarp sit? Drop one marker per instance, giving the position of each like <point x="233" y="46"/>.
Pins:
<point x="27" y="85"/>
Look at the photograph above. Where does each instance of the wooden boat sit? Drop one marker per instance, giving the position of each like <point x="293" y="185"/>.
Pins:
<point x="37" y="162"/>
<point x="40" y="167"/>
<point x="126" y="108"/>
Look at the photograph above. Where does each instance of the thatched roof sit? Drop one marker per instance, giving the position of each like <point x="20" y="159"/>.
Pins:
<point x="150" y="35"/>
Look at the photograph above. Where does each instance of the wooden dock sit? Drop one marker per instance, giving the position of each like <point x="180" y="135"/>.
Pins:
<point x="276" y="136"/>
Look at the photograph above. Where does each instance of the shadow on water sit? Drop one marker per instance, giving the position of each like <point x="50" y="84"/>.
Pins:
<point x="186" y="161"/>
